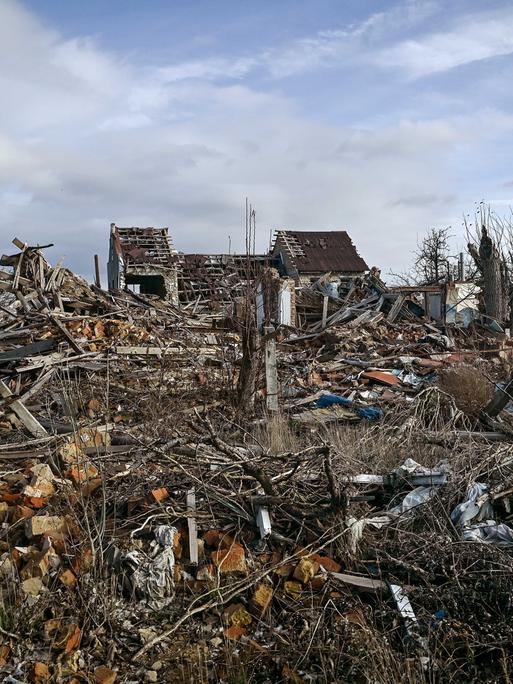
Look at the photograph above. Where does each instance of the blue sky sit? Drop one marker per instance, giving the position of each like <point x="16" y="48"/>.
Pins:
<point x="383" y="118"/>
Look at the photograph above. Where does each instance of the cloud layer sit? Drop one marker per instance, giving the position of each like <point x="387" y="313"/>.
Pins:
<point x="88" y="137"/>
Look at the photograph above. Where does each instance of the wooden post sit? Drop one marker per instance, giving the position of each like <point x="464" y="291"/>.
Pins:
<point x="97" y="280"/>
<point x="271" y="370"/>
<point x="324" y="311"/>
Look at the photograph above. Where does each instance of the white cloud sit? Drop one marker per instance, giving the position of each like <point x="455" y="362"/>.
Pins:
<point x="475" y="38"/>
<point x="89" y="138"/>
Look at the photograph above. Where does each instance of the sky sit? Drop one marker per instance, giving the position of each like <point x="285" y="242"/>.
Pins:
<point x="380" y="118"/>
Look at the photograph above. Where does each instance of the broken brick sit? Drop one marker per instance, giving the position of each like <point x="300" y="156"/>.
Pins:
<point x="160" y="494"/>
<point x="41" y="524"/>
<point x="261" y="598"/>
<point x="327" y="563"/>
<point x="32" y="586"/>
<point x="67" y="578"/>
<point x="104" y="675"/>
<point x="318" y="582"/>
<point x="284" y="570"/>
<point x="305" y="570"/>
<point x="237" y="616"/>
<point x="234" y="633"/>
<point x="211" y="538"/>
<point x="293" y="589"/>
<point x="40" y="673"/>
<point x="230" y="561"/>
<point x="18" y="512"/>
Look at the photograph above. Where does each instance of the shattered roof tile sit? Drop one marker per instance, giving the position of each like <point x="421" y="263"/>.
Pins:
<point x="321" y="251"/>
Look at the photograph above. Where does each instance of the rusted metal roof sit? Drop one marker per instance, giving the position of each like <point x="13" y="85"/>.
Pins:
<point x="316" y="251"/>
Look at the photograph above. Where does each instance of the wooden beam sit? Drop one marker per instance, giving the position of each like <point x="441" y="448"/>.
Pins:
<point x="271" y="370"/>
<point x="325" y="301"/>
<point x="192" y="527"/>
<point x="97" y="280"/>
<point x="28" y="420"/>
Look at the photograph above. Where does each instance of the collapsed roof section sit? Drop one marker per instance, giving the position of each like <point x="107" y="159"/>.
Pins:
<point x="142" y="259"/>
<point x="215" y="279"/>
<point x="318" y="252"/>
<point x="143" y="245"/>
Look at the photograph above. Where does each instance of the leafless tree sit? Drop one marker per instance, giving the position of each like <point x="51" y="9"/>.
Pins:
<point x="431" y="264"/>
<point x="432" y="257"/>
<point x="490" y="240"/>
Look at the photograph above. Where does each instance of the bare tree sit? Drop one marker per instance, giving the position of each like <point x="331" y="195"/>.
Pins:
<point x="432" y="257"/>
<point x="431" y="264"/>
<point x="489" y="244"/>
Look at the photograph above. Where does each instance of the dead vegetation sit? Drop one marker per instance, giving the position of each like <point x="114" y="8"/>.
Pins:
<point x="470" y="388"/>
<point x="153" y="531"/>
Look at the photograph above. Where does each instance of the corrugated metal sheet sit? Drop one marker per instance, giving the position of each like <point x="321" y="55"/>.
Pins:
<point x="323" y="251"/>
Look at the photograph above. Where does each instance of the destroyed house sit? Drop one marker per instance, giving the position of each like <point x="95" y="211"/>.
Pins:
<point x="221" y="283"/>
<point x="307" y="255"/>
<point x="216" y="279"/>
<point x="142" y="260"/>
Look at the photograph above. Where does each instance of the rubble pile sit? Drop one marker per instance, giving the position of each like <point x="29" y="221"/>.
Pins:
<point x="151" y="532"/>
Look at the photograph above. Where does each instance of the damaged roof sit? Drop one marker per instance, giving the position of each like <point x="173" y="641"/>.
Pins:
<point x="320" y="250"/>
<point x="144" y="245"/>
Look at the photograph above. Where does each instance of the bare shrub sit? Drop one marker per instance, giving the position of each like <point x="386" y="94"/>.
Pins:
<point x="469" y="387"/>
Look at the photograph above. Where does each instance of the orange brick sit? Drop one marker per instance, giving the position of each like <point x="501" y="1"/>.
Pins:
<point x="5" y="652"/>
<point x="211" y="538"/>
<point x="40" y="673"/>
<point x="284" y="570"/>
<point x="234" y="633"/>
<point x="160" y="494"/>
<point x="305" y="570"/>
<point x="104" y="675"/>
<point x="35" y="501"/>
<point x="327" y="563"/>
<point x="67" y="578"/>
<point x="318" y="582"/>
<point x="230" y="561"/>
<point x="19" y="512"/>
<point x="261" y="598"/>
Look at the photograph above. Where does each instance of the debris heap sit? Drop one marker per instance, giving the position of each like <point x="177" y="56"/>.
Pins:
<point x="153" y="532"/>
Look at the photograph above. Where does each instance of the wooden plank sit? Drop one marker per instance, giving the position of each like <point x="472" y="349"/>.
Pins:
<point x="17" y="273"/>
<point x="366" y="583"/>
<point x="396" y="308"/>
<point x="325" y="302"/>
<point x="27" y="350"/>
<point x="28" y="420"/>
<point x="192" y="527"/>
<point x="271" y="370"/>
<point x="501" y="398"/>
<point x="73" y="343"/>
